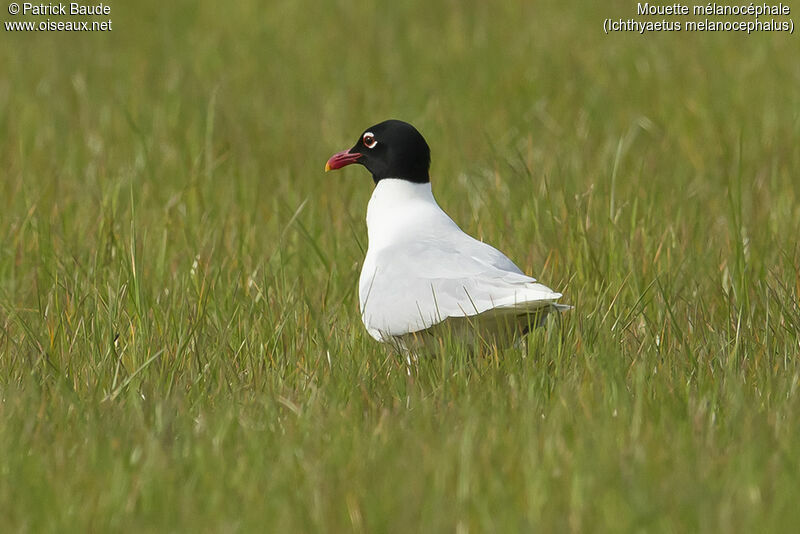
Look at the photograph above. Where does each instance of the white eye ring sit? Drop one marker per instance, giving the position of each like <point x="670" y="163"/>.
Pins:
<point x="369" y="140"/>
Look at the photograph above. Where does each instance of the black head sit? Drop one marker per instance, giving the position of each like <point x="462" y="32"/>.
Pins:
<point x="390" y="149"/>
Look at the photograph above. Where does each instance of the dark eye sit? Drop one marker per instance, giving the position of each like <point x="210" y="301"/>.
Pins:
<point x="369" y="140"/>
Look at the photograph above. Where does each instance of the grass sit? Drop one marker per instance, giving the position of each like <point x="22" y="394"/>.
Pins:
<point x="180" y="344"/>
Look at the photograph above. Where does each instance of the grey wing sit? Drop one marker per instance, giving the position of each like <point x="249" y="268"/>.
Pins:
<point x="424" y="282"/>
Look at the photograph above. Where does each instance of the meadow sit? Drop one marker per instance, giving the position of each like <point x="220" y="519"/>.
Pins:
<point x="180" y="343"/>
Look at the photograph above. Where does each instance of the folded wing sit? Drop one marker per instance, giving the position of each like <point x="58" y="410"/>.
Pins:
<point x="420" y="283"/>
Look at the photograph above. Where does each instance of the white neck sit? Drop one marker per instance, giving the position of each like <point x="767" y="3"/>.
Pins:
<point x="400" y="209"/>
<point x="393" y="192"/>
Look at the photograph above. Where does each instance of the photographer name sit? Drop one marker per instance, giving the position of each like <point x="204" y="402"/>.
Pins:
<point x="74" y="8"/>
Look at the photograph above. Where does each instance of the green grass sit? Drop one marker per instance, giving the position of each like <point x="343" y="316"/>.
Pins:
<point x="180" y="344"/>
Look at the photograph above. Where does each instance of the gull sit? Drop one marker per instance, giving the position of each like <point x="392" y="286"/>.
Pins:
<point x="423" y="276"/>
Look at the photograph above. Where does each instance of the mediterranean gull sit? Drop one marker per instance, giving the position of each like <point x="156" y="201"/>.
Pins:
<point x="422" y="273"/>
